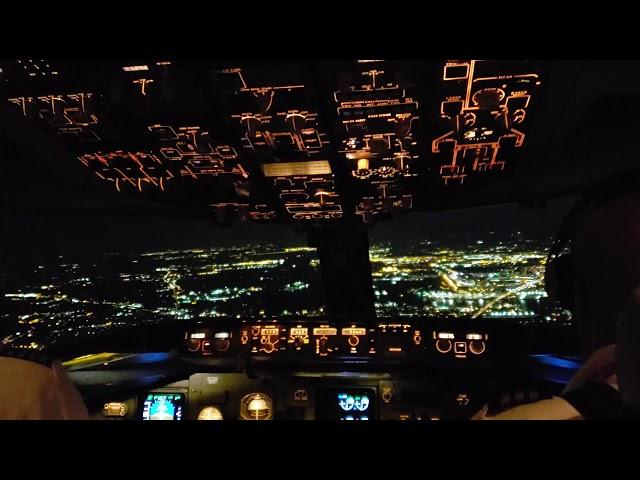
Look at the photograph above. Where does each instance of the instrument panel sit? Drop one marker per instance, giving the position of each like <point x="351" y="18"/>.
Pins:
<point x="236" y="396"/>
<point x="313" y="143"/>
<point x="322" y="339"/>
<point x="332" y="368"/>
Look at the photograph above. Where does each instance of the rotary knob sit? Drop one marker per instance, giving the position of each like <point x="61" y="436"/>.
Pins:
<point x="222" y="344"/>
<point x="353" y="340"/>
<point x="444" y="346"/>
<point x="477" y="347"/>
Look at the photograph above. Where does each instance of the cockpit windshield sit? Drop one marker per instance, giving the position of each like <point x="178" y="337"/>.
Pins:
<point x="424" y="265"/>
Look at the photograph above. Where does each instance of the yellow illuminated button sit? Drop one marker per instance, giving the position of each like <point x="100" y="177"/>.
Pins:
<point x="114" y="409"/>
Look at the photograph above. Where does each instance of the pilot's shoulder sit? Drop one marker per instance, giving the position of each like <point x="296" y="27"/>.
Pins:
<point x="29" y="355"/>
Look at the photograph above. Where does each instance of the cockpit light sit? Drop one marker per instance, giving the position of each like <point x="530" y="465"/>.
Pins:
<point x="446" y="335"/>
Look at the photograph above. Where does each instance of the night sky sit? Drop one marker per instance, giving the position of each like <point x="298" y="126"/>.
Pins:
<point x="37" y="237"/>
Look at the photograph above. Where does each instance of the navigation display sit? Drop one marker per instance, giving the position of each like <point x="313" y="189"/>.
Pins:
<point x="163" y="406"/>
<point x="346" y="404"/>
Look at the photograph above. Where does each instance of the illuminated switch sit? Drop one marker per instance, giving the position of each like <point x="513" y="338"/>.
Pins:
<point x="460" y="347"/>
<point x="114" y="409"/>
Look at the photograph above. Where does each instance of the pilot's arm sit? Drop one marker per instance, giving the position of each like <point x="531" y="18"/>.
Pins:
<point x="555" y="408"/>
<point x="593" y="390"/>
<point x="33" y="387"/>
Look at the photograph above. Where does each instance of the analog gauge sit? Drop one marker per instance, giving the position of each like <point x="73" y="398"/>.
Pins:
<point x="210" y="413"/>
<point x="256" y="406"/>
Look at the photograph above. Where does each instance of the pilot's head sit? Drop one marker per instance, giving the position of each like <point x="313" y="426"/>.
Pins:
<point x="606" y="267"/>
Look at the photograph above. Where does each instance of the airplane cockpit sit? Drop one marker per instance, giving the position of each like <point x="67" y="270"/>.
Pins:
<point x="389" y="284"/>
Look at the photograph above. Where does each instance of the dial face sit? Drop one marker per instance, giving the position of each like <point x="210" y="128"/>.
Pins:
<point x="256" y="406"/>
<point x="210" y="413"/>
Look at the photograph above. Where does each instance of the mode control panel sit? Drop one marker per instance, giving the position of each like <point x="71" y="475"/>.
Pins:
<point x="317" y="340"/>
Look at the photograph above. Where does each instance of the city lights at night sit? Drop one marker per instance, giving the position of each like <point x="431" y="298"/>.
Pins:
<point x="78" y="299"/>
